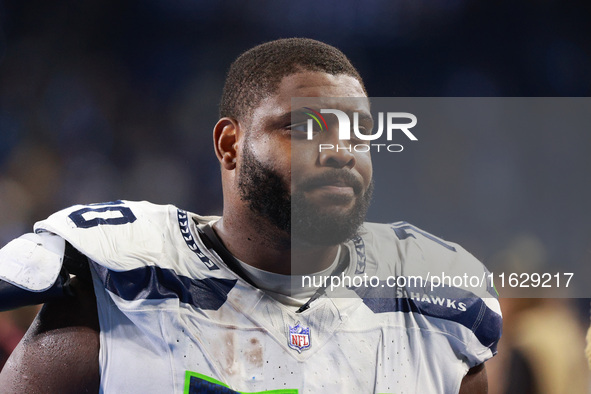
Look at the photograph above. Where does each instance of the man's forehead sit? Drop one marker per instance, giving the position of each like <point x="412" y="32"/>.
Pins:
<point x="321" y="90"/>
<point x="319" y="84"/>
<point x="316" y="90"/>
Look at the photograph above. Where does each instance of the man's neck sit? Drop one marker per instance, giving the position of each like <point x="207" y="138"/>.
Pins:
<point x="260" y="244"/>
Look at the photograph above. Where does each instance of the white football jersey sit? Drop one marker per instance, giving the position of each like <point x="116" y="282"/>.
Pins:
<point x="175" y="318"/>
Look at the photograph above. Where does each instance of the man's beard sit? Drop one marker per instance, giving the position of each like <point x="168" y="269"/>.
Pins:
<point x="267" y="195"/>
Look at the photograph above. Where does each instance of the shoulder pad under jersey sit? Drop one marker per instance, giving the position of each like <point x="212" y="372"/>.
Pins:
<point x="35" y="268"/>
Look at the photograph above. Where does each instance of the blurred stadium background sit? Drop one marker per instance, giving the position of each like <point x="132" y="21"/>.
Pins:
<point x="105" y="100"/>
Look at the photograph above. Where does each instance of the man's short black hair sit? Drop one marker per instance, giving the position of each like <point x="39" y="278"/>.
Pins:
<point x="257" y="73"/>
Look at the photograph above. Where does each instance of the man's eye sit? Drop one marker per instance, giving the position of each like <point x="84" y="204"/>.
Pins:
<point x="299" y="127"/>
<point x="302" y="127"/>
<point x="361" y="131"/>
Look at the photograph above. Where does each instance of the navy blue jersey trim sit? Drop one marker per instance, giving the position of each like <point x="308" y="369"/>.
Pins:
<point x="361" y="256"/>
<point x="190" y="241"/>
<point x="202" y="386"/>
<point x="452" y="304"/>
<point x="155" y="283"/>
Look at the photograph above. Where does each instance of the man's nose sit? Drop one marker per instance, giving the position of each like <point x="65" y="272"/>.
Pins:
<point x="337" y="153"/>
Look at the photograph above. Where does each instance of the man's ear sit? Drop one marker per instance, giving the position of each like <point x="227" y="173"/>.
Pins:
<point x="225" y="140"/>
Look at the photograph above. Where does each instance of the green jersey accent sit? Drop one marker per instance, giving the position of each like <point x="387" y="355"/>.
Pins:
<point x="197" y="383"/>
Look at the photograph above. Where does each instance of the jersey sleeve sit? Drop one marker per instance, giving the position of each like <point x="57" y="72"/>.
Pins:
<point x="475" y="325"/>
<point x="456" y="295"/>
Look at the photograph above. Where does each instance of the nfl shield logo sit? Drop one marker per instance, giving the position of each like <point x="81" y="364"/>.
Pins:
<point x="299" y="337"/>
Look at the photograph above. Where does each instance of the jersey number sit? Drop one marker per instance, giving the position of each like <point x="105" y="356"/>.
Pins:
<point x="111" y="215"/>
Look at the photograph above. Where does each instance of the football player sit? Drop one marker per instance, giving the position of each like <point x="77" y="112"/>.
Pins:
<point x="148" y="298"/>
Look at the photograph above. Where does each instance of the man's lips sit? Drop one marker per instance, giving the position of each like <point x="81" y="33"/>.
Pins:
<point x="353" y="184"/>
<point x="340" y="183"/>
<point x="336" y="189"/>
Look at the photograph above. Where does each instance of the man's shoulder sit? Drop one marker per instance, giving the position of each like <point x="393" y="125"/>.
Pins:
<point x="409" y="238"/>
<point x="113" y="230"/>
<point x="112" y="213"/>
<point x="417" y="252"/>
